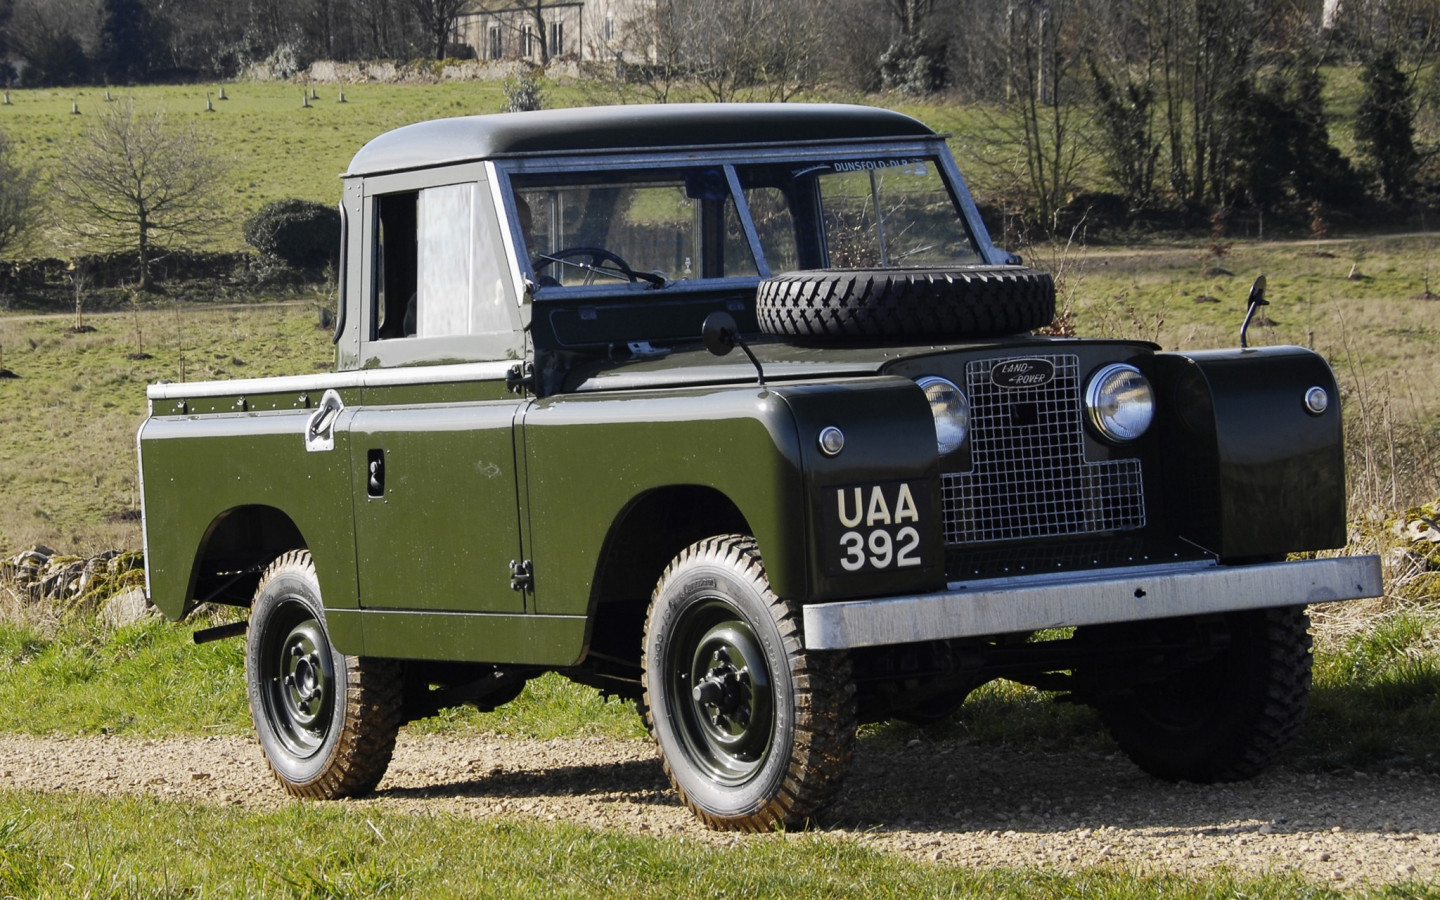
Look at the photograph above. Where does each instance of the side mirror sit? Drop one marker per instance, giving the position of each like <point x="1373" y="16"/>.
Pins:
<point x="720" y="333"/>
<point x="1257" y="300"/>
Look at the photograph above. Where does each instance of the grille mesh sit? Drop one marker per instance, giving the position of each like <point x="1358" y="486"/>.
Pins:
<point x="1029" y="477"/>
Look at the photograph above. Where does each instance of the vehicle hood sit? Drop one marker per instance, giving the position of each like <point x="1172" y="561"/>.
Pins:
<point x="783" y="361"/>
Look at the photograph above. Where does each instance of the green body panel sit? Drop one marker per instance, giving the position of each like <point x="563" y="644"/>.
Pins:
<point x="527" y="639"/>
<point x="442" y="531"/>
<point x="421" y="569"/>
<point x="196" y="469"/>
<point x="591" y="456"/>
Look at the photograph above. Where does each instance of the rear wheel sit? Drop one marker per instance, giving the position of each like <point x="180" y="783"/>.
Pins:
<point x="754" y="730"/>
<point x="326" y="721"/>
<point x="1223" y="718"/>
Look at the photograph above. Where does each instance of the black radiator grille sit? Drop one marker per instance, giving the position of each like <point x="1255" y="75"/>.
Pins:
<point x="1029" y="477"/>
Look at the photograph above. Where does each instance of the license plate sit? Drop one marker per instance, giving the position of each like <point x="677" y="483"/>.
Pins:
<point x="875" y="527"/>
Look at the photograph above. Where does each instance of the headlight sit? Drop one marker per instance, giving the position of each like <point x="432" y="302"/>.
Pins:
<point x="951" y="411"/>
<point x="1120" y="402"/>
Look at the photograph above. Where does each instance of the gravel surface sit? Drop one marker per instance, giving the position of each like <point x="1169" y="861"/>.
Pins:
<point x="929" y="800"/>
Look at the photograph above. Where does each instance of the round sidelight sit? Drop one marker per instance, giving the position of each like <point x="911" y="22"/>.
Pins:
<point x="1120" y="402"/>
<point x="1317" y="400"/>
<point x="832" y="440"/>
<point x="951" y="411"/>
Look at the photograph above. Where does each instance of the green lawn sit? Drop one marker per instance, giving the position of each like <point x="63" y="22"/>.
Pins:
<point x="59" y="846"/>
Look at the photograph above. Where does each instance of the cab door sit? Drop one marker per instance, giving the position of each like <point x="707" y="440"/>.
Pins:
<point x="432" y="451"/>
<point x="436" y="515"/>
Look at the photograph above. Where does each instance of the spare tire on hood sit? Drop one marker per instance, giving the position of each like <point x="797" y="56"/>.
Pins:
<point x="958" y="302"/>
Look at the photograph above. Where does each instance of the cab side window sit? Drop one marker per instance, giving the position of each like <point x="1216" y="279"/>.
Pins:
<point x="396" y="259"/>
<point x="436" y="272"/>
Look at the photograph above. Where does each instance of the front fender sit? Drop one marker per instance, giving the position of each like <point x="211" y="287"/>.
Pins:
<point x="1249" y="471"/>
<point x="588" y="456"/>
<point x="873" y="511"/>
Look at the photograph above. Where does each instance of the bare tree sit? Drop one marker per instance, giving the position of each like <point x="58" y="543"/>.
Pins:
<point x="1207" y="52"/>
<point x="1043" y="43"/>
<point x="133" y="178"/>
<point x="537" y="18"/>
<point x="54" y="37"/>
<point x="648" y="55"/>
<point x="19" y="202"/>
<point x="723" y="50"/>
<point x="438" y="18"/>
<point x="910" y="16"/>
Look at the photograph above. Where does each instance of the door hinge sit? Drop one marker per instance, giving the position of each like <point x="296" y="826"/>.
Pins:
<point x="522" y="575"/>
<point x="521" y="377"/>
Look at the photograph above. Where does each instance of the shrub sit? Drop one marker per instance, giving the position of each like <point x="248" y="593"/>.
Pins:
<point x="522" y="92"/>
<point x="301" y="233"/>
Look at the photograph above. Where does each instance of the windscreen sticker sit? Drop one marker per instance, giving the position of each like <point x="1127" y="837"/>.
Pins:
<point x="912" y="166"/>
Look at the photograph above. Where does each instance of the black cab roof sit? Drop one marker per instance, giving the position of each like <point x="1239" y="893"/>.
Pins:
<point x="608" y="129"/>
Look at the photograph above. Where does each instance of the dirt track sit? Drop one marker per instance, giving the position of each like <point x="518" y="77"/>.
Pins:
<point x="988" y="806"/>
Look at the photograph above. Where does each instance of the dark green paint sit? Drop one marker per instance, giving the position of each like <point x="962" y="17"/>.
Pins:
<point x="1255" y="472"/>
<point x="196" y="469"/>
<point x="528" y="639"/>
<point x="592" y="456"/>
<point x="562" y="471"/>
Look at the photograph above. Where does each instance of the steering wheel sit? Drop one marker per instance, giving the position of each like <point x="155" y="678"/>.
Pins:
<point x="600" y="261"/>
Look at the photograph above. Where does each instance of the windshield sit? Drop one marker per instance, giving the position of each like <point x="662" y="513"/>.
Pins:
<point x="645" y="228"/>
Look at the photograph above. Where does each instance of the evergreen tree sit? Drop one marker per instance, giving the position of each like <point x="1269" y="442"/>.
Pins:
<point x="1385" y="125"/>
<point x="128" y="46"/>
<point x="56" y="61"/>
<point x="1283" y="155"/>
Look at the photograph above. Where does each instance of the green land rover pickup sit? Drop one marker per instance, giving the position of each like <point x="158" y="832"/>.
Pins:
<point x="540" y="452"/>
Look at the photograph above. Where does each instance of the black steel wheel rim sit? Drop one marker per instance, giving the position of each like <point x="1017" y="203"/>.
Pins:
<point x="299" y="680"/>
<point x="720" y="693"/>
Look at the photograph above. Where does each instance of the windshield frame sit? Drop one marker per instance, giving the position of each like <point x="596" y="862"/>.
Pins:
<point x="731" y="160"/>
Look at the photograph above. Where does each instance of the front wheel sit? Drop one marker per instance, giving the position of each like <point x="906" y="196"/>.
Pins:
<point x="326" y="721"/>
<point x="1223" y="718"/>
<point x="754" y="730"/>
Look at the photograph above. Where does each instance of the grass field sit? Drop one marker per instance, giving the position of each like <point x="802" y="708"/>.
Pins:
<point x="67" y="425"/>
<point x="67" y="468"/>
<point x="343" y="850"/>
<point x="67" y="475"/>
<point x="272" y="145"/>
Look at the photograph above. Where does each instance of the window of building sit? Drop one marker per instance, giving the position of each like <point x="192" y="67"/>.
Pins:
<point x="557" y="39"/>
<point x="497" y="43"/>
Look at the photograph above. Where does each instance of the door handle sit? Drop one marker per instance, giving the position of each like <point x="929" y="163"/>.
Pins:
<point x="375" y="482"/>
<point x="320" y="427"/>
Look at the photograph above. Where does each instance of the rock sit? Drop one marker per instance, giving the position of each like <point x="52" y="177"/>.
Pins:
<point x="127" y="608"/>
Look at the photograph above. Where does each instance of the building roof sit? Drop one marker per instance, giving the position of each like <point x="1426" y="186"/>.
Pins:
<point x="598" y="129"/>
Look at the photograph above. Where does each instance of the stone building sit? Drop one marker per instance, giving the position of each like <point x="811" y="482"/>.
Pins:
<point x="585" y="30"/>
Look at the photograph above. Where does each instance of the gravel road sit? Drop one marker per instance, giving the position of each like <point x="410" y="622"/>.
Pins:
<point x="930" y="800"/>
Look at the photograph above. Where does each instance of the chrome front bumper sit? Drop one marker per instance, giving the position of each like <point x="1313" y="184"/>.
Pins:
<point x="1061" y="599"/>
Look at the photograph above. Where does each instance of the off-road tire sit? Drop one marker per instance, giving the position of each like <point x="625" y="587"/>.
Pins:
<point x="1224" y="719"/>
<point x="770" y="750"/>
<point x="326" y="721"/>
<point x="959" y="302"/>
